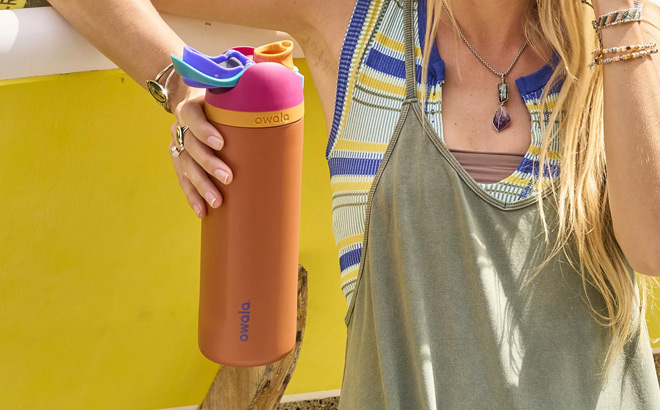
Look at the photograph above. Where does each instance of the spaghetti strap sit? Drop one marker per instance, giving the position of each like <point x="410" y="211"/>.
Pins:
<point x="409" y="40"/>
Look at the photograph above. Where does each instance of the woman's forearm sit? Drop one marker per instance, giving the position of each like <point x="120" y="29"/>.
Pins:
<point x="632" y="140"/>
<point x="130" y="33"/>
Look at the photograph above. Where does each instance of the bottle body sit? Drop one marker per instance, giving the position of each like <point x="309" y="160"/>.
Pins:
<point x="250" y="247"/>
<point x="250" y="244"/>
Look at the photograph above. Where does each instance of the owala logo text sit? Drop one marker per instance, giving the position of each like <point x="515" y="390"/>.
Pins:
<point x="245" y="321"/>
<point x="272" y="119"/>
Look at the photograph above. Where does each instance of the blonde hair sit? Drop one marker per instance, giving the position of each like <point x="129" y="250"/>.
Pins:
<point x="582" y="202"/>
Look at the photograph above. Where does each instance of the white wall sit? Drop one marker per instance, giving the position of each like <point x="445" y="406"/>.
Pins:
<point x="38" y="41"/>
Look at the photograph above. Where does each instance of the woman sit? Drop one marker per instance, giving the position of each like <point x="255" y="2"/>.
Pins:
<point x="482" y="269"/>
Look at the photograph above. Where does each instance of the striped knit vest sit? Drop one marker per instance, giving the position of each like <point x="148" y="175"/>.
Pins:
<point x="370" y="92"/>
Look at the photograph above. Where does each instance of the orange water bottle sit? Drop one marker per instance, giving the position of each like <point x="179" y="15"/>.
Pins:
<point x="250" y="244"/>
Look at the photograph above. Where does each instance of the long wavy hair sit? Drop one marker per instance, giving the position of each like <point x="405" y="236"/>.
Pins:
<point x="584" y="217"/>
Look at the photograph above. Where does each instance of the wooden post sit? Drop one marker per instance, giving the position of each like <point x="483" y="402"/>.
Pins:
<point x="656" y="359"/>
<point x="259" y="388"/>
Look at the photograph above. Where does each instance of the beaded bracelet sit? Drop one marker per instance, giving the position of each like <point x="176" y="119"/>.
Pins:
<point x="622" y="49"/>
<point x="619" y="16"/>
<point x="621" y="57"/>
<point x="636" y="51"/>
<point x="616" y="17"/>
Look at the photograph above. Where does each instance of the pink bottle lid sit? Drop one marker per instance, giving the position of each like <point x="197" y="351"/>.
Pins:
<point x="270" y="93"/>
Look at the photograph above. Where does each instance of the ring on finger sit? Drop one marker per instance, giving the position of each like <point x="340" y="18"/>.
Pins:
<point x="178" y="149"/>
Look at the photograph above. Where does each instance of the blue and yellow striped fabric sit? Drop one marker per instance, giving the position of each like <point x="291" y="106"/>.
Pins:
<point x="370" y="92"/>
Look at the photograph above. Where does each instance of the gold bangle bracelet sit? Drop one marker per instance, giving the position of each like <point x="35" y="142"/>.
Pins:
<point x="158" y="91"/>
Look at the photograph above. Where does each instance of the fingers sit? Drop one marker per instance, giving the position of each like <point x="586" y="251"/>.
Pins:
<point x="206" y="158"/>
<point x="197" y="176"/>
<point x="198" y="161"/>
<point x="195" y="200"/>
<point x="200" y="180"/>
<point x="191" y="113"/>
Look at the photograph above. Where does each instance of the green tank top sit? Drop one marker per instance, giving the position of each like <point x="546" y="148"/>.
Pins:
<point x="440" y="319"/>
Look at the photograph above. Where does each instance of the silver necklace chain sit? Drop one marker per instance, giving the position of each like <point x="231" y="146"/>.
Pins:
<point x="499" y="74"/>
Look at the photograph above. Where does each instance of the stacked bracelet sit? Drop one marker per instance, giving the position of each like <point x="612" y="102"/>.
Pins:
<point x="621" y="57"/>
<point x="632" y="51"/>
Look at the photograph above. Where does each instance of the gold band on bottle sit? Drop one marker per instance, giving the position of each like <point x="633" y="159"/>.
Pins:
<point x="254" y="119"/>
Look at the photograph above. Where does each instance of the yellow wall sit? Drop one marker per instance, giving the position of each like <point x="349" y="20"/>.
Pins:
<point x="99" y="253"/>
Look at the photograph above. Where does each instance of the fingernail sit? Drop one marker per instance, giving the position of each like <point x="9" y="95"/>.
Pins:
<point x="197" y="210"/>
<point x="222" y="175"/>
<point x="210" y="197"/>
<point x="215" y="142"/>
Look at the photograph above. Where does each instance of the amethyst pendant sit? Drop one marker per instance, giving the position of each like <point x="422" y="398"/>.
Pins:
<point x="502" y="119"/>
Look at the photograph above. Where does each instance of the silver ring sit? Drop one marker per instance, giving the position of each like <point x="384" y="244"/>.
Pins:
<point x="177" y="150"/>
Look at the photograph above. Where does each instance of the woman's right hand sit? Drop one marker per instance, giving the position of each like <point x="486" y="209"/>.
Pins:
<point x="198" y="163"/>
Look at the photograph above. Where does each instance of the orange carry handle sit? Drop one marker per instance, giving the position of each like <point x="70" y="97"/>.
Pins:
<point x="278" y="52"/>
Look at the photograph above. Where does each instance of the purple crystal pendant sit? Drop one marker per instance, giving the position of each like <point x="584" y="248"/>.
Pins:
<point x="502" y="119"/>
